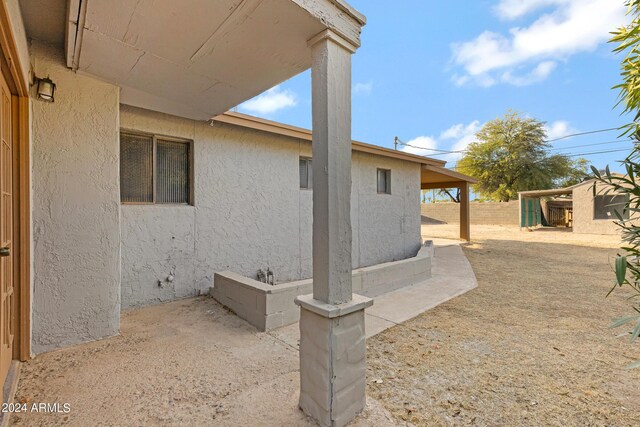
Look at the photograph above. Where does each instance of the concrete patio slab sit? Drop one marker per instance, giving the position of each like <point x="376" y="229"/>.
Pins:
<point x="452" y="275"/>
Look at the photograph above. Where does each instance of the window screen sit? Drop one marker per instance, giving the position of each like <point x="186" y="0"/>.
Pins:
<point x="173" y="172"/>
<point x="384" y="181"/>
<point x="136" y="168"/>
<point x="605" y="205"/>
<point x="306" y="173"/>
<point x="147" y="163"/>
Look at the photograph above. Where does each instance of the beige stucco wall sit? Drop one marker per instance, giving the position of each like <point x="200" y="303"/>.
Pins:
<point x="481" y="213"/>
<point x="583" y="208"/>
<point x="250" y="213"/>
<point x="76" y="207"/>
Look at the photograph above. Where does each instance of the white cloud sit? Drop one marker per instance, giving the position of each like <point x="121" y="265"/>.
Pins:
<point x="513" y="9"/>
<point x="362" y="88"/>
<point x="271" y="101"/>
<point x="420" y="146"/>
<point x="559" y="129"/>
<point x="529" y="54"/>
<point x="456" y="138"/>
<point x="538" y="74"/>
<point x="463" y="135"/>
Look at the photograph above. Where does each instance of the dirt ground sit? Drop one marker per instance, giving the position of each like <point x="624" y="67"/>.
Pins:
<point x="530" y="346"/>
<point x="185" y="363"/>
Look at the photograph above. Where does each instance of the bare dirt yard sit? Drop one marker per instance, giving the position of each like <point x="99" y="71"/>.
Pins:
<point x="530" y="346"/>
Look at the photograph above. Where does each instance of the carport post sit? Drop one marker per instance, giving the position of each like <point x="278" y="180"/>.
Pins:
<point x="332" y="334"/>
<point x="465" y="219"/>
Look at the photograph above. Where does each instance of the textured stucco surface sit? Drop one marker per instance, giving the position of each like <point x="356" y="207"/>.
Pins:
<point x="583" y="209"/>
<point x="76" y="207"/>
<point x="250" y="213"/>
<point x="270" y="307"/>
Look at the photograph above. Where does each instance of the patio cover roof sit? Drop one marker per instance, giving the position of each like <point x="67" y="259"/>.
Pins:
<point x="433" y="177"/>
<point x="192" y="59"/>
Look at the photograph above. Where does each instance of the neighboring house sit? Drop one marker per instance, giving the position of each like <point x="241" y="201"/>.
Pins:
<point x="575" y="207"/>
<point x="119" y="190"/>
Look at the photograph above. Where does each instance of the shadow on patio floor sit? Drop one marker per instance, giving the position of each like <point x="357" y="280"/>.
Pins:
<point x="189" y="362"/>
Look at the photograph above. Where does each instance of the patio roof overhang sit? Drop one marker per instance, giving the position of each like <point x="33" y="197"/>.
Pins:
<point x="194" y="61"/>
<point x="436" y="177"/>
<point x="439" y="177"/>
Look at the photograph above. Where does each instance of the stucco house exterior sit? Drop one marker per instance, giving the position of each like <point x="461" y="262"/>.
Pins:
<point x="126" y="182"/>
<point x="575" y="207"/>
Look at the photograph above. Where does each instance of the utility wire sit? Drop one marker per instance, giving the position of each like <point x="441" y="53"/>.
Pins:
<point x="591" y="145"/>
<point x="555" y="148"/>
<point x="582" y="133"/>
<point x="399" y="141"/>
<point x="455" y="166"/>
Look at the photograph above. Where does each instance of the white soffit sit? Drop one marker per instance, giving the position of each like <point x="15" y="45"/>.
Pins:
<point x="195" y="59"/>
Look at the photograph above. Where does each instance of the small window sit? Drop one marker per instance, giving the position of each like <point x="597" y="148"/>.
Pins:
<point x="306" y="173"/>
<point x="154" y="169"/>
<point x="605" y="205"/>
<point x="384" y="181"/>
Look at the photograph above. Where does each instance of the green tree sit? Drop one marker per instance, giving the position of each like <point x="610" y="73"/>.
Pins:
<point x="510" y="154"/>
<point x="627" y="264"/>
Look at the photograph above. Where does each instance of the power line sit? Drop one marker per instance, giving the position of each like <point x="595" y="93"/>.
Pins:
<point x="582" y="133"/>
<point x="399" y="141"/>
<point x="591" y="145"/>
<point x="597" y="152"/>
<point x="455" y="166"/>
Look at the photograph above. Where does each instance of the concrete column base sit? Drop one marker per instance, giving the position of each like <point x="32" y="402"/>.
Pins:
<point x="332" y="359"/>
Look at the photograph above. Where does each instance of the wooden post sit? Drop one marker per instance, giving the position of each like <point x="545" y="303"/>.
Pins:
<point x="465" y="220"/>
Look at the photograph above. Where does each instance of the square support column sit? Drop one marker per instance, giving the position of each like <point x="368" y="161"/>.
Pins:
<point x="331" y="151"/>
<point x="332" y="330"/>
<point x="465" y="219"/>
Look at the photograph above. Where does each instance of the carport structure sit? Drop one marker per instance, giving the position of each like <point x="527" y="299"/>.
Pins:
<point x="435" y="177"/>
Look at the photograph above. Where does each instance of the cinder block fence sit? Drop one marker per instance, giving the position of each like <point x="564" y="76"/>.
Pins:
<point x="481" y="213"/>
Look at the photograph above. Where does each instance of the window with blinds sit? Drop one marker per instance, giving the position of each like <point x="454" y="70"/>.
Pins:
<point x="154" y="169"/>
<point x="384" y="181"/>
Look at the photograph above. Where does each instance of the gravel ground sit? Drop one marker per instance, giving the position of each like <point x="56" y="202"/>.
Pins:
<point x="529" y="346"/>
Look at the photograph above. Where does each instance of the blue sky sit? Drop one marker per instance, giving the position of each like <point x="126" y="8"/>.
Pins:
<point x="432" y="72"/>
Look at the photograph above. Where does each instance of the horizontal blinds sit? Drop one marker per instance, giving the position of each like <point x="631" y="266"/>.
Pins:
<point x="173" y="172"/>
<point x="136" y="168"/>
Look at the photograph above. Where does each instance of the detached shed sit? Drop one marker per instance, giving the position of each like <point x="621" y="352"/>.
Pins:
<point x="574" y="207"/>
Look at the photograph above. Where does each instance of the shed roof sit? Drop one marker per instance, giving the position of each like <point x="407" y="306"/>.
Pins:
<point x="554" y="191"/>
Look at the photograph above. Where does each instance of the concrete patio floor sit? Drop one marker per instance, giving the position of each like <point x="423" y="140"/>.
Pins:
<point x="192" y="362"/>
<point x="452" y="275"/>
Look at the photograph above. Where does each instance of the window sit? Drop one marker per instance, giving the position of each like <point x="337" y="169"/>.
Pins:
<point x="384" y="181"/>
<point x="604" y="206"/>
<point x="154" y="169"/>
<point x="306" y="173"/>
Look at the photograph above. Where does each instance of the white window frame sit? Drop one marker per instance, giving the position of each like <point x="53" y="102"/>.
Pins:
<point x="308" y="160"/>
<point x="387" y="180"/>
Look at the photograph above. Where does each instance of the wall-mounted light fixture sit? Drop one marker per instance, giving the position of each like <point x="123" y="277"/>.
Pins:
<point x="46" y="89"/>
